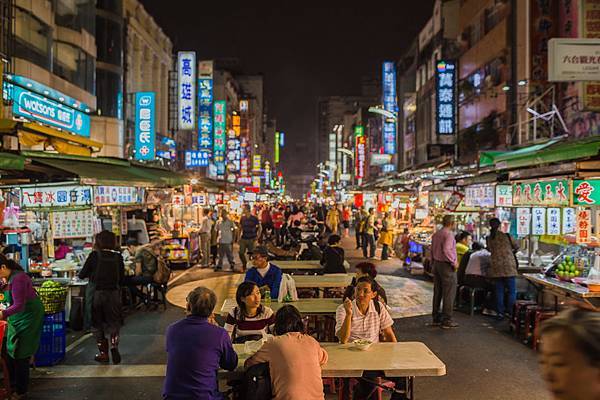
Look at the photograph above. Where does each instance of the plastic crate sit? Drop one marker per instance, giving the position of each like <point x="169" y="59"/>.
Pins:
<point x="53" y="342"/>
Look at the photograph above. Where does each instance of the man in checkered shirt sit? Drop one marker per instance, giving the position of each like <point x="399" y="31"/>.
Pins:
<point x="363" y="319"/>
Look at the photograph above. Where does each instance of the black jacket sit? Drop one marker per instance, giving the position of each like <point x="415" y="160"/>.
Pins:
<point x="333" y="260"/>
<point x="104" y="268"/>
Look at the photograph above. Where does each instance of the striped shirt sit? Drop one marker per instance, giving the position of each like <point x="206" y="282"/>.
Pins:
<point x="257" y="325"/>
<point x="365" y="326"/>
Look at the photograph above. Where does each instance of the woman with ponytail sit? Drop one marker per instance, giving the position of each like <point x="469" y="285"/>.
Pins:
<point x="25" y="315"/>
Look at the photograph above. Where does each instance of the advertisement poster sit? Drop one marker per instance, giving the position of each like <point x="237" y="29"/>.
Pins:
<point x="539" y="193"/>
<point x="523" y="221"/>
<point x="454" y="201"/>
<point x="482" y="196"/>
<point x="538" y="225"/>
<point x="553" y="221"/>
<point x="72" y="224"/>
<point x="583" y="233"/>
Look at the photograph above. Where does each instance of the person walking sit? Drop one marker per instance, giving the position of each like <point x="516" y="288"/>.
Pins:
<point x="368" y="238"/>
<point x="346" y="220"/>
<point x="503" y="268"/>
<point x="266" y="222"/>
<point x="105" y="268"/>
<point x="250" y="227"/>
<point x="443" y="250"/>
<point x="225" y="231"/>
<point x="357" y="225"/>
<point x="386" y="236"/>
<point x="205" y="230"/>
<point x="333" y="219"/>
<point x="25" y="317"/>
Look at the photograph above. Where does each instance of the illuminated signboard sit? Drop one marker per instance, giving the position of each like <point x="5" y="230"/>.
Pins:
<point x="361" y="146"/>
<point x="359" y="130"/>
<point x="196" y="158"/>
<point x="445" y="79"/>
<point x="220" y="126"/>
<point x="256" y="162"/>
<point x="276" y="147"/>
<point x="281" y="139"/>
<point x="145" y="135"/>
<point x="205" y="114"/>
<point x="39" y="108"/>
<point x="186" y="78"/>
<point x="390" y="103"/>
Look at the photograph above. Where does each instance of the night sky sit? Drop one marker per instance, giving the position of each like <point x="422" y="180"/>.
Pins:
<point x="303" y="52"/>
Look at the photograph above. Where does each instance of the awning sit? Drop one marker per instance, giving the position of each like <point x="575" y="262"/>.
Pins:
<point x="107" y="171"/>
<point x="553" y="151"/>
<point x="12" y="161"/>
<point x="487" y="158"/>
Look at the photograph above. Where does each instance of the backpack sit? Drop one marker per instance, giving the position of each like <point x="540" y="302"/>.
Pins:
<point x="257" y="383"/>
<point x="163" y="273"/>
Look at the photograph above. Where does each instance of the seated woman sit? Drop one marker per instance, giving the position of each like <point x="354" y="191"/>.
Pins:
<point x="250" y="319"/>
<point x="294" y="358"/>
<point x="366" y="269"/>
<point x="333" y="256"/>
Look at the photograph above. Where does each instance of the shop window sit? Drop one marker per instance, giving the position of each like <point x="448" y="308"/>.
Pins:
<point x="76" y="14"/>
<point x="32" y="39"/>
<point x="108" y="87"/>
<point x="74" y="65"/>
<point x="109" y="41"/>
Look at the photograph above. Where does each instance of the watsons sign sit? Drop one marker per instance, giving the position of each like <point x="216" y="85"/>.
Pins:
<point x="39" y="108"/>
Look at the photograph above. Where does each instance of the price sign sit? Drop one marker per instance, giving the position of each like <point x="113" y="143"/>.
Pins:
<point x="568" y="220"/>
<point x="553" y="222"/>
<point x="539" y="221"/>
<point x="583" y="232"/>
<point x="523" y="221"/>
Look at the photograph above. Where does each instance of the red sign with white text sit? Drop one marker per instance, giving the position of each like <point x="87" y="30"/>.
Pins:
<point x="361" y="152"/>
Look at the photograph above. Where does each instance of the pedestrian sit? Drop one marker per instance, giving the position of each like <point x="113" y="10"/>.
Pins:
<point x="386" y="236"/>
<point x="503" y="268"/>
<point x="266" y="221"/>
<point x="250" y="227"/>
<point x="570" y="354"/>
<point x="278" y="220"/>
<point x="225" y="235"/>
<point x="443" y="251"/>
<point x="105" y="268"/>
<point x="197" y="348"/>
<point x="214" y="236"/>
<point x="24" y="313"/>
<point x="249" y="320"/>
<point x="357" y="225"/>
<point x="333" y="219"/>
<point x="265" y="274"/>
<point x="368" y="238"/>
<point x="333" y="256"/>
<point x="294" y="357"/>
<point x="205" y="231"/>
<point x="346" y="220"/>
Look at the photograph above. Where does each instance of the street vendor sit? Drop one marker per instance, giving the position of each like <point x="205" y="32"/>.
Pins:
<point x="25" y="316"/>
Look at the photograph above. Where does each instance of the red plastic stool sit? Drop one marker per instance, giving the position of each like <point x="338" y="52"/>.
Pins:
<point x="540" y="317"/>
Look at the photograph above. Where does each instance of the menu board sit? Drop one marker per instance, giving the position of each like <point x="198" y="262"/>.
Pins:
<point x="72" y="224"/>
<point x="523" y="221"/>
<point x="568" y="221"/>
<point x="541" y="193"/>
<point x="479" y="196"/>
<point x="583" y="233"/>
<point x="553" y="221"/>
<point x="538" y="226"/>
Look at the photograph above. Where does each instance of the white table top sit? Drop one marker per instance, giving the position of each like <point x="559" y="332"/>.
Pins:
<point x="305" y="306"/>
<point x="394" y="359"/>
<point x="322" y="281"/>
<point x="309" y="265"/>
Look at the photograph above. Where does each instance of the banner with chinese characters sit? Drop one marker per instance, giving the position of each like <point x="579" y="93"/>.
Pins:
<point x="555" y="193"/>
<point x="523" y="221"/>
<point x="445" y="97"/>
<point x="220" y="126"/>
<point x="538" y="221"/>
<point x="186" y="80"/>
<point x="112" y="195"/>
<point x="390" y="104"/>
<point x="56" y="196"/>
<point x="361" y="156"/>
<point x="196" y="158"/>
<point x="583" y="232"/>
<point x="145" y="135"/>
<point x="479" y="196"/>
<point x="504" y="195"/>
<point x="72" y="224"/>
<point x="586" y="192"/>
<point x="205" y="114"/>
<point x="553" y="221"/>
<point x="568" y="220"/>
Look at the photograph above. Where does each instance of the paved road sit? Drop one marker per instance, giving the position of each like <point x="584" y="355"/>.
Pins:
<point x="483" y="360"/>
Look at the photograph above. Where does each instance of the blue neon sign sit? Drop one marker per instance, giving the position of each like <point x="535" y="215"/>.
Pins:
<point x="205" y="115"/>
<point x="390" y="103"/>
<point x="196" y="158"/>
<point x="36" y="107"/>
<point x="445" y="79"/>
<point x="145" y="135"/>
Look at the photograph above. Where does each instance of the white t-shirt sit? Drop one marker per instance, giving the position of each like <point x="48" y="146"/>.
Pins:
<point x="365" y="326"/>
<point x="263" y="271"/>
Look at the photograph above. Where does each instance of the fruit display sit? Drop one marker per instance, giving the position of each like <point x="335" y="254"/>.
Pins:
<point x="53" y="296"/>
<point x="568" y="269"/>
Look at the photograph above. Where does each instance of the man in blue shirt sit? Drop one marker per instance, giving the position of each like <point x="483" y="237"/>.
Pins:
<point x="197" y="348"/>
<point x="264" y="274"/>
<point x="250" y="227"/>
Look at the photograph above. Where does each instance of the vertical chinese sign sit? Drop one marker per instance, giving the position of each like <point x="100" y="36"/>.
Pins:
<point x="186" y="81"/>
<point x="145" y="148"/>
<point x="390" y="104"/>
<point x="205" y="108"/>
<point x="523" y="221"/>
<point x="220" y="126"/>
<point x="591" y="30"/>
<point x="445" y="97"/>
<point x="361" y="152"/>
<point x="583" y="232"/>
